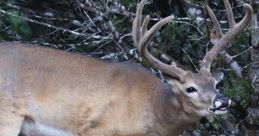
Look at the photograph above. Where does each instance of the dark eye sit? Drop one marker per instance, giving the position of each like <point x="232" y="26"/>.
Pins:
<point x="191" y="90"/>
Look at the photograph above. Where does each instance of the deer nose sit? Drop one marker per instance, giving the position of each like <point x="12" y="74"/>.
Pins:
<point x="221" y="101"/>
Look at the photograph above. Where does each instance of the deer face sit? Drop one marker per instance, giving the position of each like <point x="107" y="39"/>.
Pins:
<point x="198" y="93"/>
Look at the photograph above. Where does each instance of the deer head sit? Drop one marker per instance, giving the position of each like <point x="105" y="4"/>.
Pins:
<point x="193" y="89"/>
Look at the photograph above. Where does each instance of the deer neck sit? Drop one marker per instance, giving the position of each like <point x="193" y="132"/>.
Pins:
<point x="171" y="117"/>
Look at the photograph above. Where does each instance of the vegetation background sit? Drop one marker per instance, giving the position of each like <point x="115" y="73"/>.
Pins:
<point x="102" y="28"/>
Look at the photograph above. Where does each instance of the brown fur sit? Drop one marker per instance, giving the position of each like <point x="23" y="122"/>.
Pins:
<point x="87" y="96"/>
<point x="46" y="92"/>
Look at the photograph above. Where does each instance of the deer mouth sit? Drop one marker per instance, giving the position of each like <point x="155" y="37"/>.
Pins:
<point x="219" y="110"/>
<point x="220" y="106"/>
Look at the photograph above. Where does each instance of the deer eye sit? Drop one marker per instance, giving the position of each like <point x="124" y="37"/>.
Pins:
<point x="191" y="90"/>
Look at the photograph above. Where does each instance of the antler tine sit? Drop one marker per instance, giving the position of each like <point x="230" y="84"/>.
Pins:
<point x="215" y="22"/>
<point x="230" y="14"/>
<point x="145" y="24"/>
<point x="143" y="37"/>
<point x="234" y="30"/>
<point x="136" y="31"/>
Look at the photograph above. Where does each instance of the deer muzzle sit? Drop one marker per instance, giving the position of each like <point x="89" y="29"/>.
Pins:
<point x="220" y="104"/>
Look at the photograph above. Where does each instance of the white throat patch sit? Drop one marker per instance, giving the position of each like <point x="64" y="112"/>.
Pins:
<point x="37" y="129"/>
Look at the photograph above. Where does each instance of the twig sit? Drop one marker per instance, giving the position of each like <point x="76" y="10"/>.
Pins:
<point x="44" y="24"/>
<point x="196" y="69"/>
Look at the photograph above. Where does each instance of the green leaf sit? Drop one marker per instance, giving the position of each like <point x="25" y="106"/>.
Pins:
<point x="20" y="26"/>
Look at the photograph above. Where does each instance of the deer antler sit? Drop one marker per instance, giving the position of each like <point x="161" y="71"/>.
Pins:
<point x="223" y="40"/>
<point x="142" y="38"/>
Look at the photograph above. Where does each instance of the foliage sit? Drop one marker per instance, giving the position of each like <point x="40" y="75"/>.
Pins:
<point x="18" y="25"/>
<point x="239" y="89"/>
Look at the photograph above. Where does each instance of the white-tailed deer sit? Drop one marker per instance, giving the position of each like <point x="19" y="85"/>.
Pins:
<point x="46" y="92"/>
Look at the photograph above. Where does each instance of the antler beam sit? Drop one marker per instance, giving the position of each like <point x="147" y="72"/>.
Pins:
<point x="223" y="40"/>
<point x="142" y="38"/>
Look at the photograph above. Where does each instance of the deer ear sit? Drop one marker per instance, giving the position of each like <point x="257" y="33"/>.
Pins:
<point x="218" y="76"/>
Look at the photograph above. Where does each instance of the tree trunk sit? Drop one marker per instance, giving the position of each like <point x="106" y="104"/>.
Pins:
<point x="252" y="121"/>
